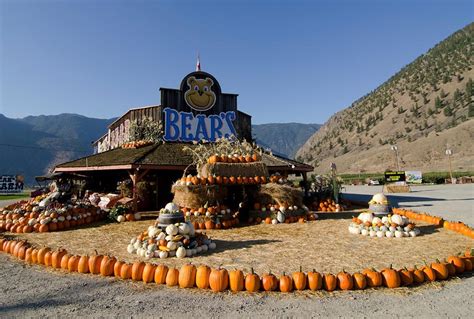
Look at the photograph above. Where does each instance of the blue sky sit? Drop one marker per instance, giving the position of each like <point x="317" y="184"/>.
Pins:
<point x="289" y="61"/>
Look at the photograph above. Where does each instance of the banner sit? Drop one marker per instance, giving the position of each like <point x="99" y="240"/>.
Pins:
<point x="11" y="184"/>
<point x="393" y="177"/>
<point x="414" y="177"/>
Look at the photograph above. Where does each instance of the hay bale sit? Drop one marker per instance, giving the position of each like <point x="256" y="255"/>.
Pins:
<point x="195" y="196"/>
<point x="281" y="194"/>
<point x="396" y="188"/>
<point x="234" y="169"/>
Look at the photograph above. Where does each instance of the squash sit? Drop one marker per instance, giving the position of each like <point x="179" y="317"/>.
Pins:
<point x="202" y="276"/>
<point x="269" y="282"/>
<point x="172" y="277"/>
<point x="300" y="279"/>
<point x="236" y="280"/>
<point x="286" y="283"/>
<point x="181" y="252"/>
<point x="161" y="272"/>
<point x="252" y="281"/>
<point x="218" y="279"/>
<point x="391" y="277"/>
<point x="360" y="281"/>
<point x="171" y="230"/>
<point x="187" y="276"/>
<point x="374" y="278"/>
<point x="315" y="280"/>
<point x="329" y="282"/>
<point x="345" y="281"/>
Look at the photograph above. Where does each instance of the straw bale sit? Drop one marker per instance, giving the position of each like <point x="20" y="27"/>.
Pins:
<point x="396" y="189"/>
<point x="234" y="169"/>
<point x="281" y="194"/>
<point x="195" y="196"/>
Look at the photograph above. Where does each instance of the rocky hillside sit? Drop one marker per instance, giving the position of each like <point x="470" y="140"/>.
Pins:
<point x="423" y="108"/>
<point x="295" y="135"/>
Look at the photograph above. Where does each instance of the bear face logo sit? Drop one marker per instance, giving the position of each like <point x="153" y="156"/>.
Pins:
<point x="200" y="96"/>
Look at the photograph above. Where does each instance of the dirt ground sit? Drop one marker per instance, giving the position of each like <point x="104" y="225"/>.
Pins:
<point x="34" y="291"/>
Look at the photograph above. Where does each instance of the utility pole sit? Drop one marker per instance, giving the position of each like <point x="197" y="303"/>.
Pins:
<point x="395" y="149"/>
<point x="449" y="152"/>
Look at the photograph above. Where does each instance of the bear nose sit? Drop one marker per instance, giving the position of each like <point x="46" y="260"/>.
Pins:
<point x="200" y="92"/>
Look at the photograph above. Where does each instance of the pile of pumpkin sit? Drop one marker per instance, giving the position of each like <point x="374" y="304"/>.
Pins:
<point x="179" y="240"/>
<point x="31" y="217"/>
<point x="219" y="279"/>
<point x="327" y="205"/>
<point x="234" y="158"/>
<point x="136" y="144"/>
<point x="458" y="227"/>
<point x="195" y="180"/>
<point x="278" y="214"/>
<point x="278" y="179"/>
<point x="211" y="217"/>
<point x="391" y="226"/>
<point x="121" y="214"/>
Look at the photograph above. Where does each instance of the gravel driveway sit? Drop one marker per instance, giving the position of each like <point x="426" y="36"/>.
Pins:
<point x="33" y="291"/>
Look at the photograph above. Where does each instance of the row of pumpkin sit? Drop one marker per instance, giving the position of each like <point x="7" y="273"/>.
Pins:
<point x="458" y="227"/>
<point x="219" y="279"/>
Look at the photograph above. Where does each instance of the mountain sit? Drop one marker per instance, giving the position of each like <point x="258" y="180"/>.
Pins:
<point x="424" y="108"/>
<point x="295" y="135"/>
<point x="34" y="144"/>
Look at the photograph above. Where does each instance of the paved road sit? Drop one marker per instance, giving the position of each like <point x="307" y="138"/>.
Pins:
<point x="452" y="202"/>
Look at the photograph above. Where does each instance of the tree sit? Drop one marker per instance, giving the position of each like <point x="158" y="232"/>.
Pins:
<point x="438" y="103"/>
<point x="448" y="111"/>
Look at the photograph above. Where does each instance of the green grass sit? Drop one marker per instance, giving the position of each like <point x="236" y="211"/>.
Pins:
<point x="15" y="196"/>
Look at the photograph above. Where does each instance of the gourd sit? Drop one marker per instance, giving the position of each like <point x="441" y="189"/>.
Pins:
<point x="280" y="217"/>
<point x="376" y="220"/>
<point x="389" y="234"/>
<point x="212" y="246"/>
<point x="381" y="233"/>
<point x="171" y="230"/>
<point x="398" y="234"/>
<point x="152" y="231"/>
<point x="181" y="252"/>
<point x="397" y="219"/>
<point x="187" y="276"/>
<point x="172" y="207"/>
<point x="184" y="229"/>
<point x="269" y="282"/>
<point x="364" y="232"/>
<point x="120" y="218"/>
<point x="252" y="282"/>
<point x="366" y="217"/>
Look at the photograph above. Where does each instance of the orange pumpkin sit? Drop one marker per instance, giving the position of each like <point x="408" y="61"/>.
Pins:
<point x="148" y="273"/>
<point x="83" y="264"/>
<point x="107" y="265"/>
<point x="236" y="280"/>
<point x="73" y="263"/>
<point x="430" y="274"/>
<point x="252" y="282"/>
<point x="299" y="279"/>
<point x="94" y="263"/>
<point x="406" y="277"/>
<point x="269" y="282"/>
<point x="160" y="274"/>
<point x="418" y="275"/>
<point x="315" y="280"/>
<point x="345" y="281"/>
<point x="56" y="257"/>
<point x="360" y="281"/>
<point x="202" y="277"/>
<point x="219" y="279"/>
<point x="187" y="276"/>
<point x="440" y="269"/>
<point x="391" y="278"/>
<point x="374" y="278"/>
<point x="286" y="283"/>
<point x="48" y="258"/>
<point x="126" y="271"/>
<point x="65" y="261"/>
<point x="458" y="264"/>
<point x="172" y="277"/>
<point x="137" y="270"/>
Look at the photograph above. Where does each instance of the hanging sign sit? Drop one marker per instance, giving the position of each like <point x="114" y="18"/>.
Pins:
<point x="187" y="127"/>
<point x="398" y="176"/>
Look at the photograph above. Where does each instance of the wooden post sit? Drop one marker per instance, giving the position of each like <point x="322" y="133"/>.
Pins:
<point x="305" y="183"/>
<point x="136" y="177"/>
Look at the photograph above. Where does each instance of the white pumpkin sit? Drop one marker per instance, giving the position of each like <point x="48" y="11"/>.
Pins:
<point x="196" y="213"/>
<point x="172" y="207"/>
<point x="181" y="252"/>
<point x="172" y="253"/>
<point x="392" y="229"/>
<point x="281" y="217"/>
<point x="295" y="207"/>
<point x="212" y="245"/>
<point x="137" y="244"/>
<point x="372" y="233"/>
<point x="398" y="234"/>
<point x="151" y="247"/>
<point x="290" y="207"/>
<point x="385" y="220"/>
<point x="204" y="248"/>
<point x="417" y="231"/>
<point x="389" y="234"/>
<point x="171" y="230"/>
<point x="272" y="209"/>
<point x="406" y="234"/>
<point x="194" y="251"/>
<point x="366" y="217"/>
<point x="274" y="221"/>
<point x="381" y="233"/>
<point x="397" y="219"/>
<point x="264" y="209"/>
<point x="130" y="249"/>
<point x="163" y="254"/>
<point x="172" y="245"/>
<point x="152" y="231"/>
<point x="133" y="240"/>
<point x="412" y="233"/>
<point x="379" y="199"/>
<point x="198" y="249"/>
<point x="208" y="214"/>
<point x="169" y="238"/>
<point x="32" y="222"/>
<point x="384" y="228"/>
<point x="189" y="252"/>
<point x="184" y="229"/>
<point x="188" y="213"/>
<point x="376" y="220"/>
<point x="364" y="232"/>
<point x="161" y="236"/>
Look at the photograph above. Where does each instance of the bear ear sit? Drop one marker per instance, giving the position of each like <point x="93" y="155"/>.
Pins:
<point x="209" y="81"/>
<point x="190" y="80"/>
